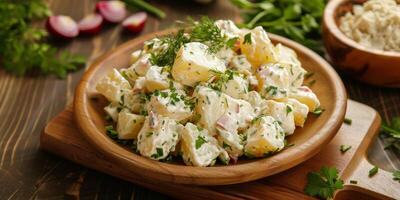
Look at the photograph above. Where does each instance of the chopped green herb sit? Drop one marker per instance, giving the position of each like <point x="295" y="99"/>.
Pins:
<point x="272" y="90"/>
<point x="348" y="121"/>
<point x="247" y="39"/>
<point x="308" y="75"/>
<point x="311" y="83"/>
<point x="390" y="133"/>
<point x="373" y="171"/>
<point x="324" y="183"/>
<point x="111" y="132"/>
<point x="396" y="175"/>
<point x="344" y="148"/>
<point x="159" y="153"/>
<point x="288" y="109"/>
<point x="226" y="146"/>
<point x="148" y="134"/>
<point x="200" y="141"/>
<point x="318" y="111"/>
<point x="353" y="182"/>
<point x="231" y="42"/>
<point x="249" y="155"/>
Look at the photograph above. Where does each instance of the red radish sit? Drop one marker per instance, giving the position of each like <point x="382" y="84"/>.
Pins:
<point x="62" y="26"/>
<point x="112" y="11"/>
<point x="90" y="24"/>
<point x="135" y="22"/>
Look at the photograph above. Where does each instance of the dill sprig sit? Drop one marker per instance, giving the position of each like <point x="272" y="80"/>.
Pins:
<point x="204" y="31"/>
<point x="167" y="56"/>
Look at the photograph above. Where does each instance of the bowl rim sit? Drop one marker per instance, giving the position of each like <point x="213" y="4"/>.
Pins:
<point x="328" y="18"/>
<point x="159" y="171"/>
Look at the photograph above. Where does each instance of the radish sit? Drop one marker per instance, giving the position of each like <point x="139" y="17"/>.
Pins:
<point x="62" y="26"/>
<point x="135" y="23"/>
<point x="90" y="24"/>
<point x="112" y="11"/>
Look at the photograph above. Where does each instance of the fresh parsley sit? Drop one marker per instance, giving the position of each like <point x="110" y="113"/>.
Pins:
<point x="288" y="109"/>
<point x="324" y="183"/>
<point x="23" y="47"/>
<point x="247" y="39"/>
<point x="299" y="20"/>
<point x="348" y="121"/>
<point x="353" y="181"/>
<point x="200" y="141"/>
<point x="373" y="171"/>
<point x="318" y="111"/>
<point x="390" y="132"/>
<point x="344" y="148"/>
<point x="159" y="153"/>
<point x="396" y="175"/>
<point x="111" y="132"/>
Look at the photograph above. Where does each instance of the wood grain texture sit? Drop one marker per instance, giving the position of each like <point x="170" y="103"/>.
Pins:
<point x="315" y="134"/>
<point x="62" y="137"/>
<point x="369" y="65"/>
<point x="28" y="103"/>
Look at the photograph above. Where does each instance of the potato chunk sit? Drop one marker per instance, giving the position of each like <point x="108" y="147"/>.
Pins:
<point x="211" y="105"/>
<point x="171" y="104"/>
<point x="113" y="86"/>
<point x="129" y="125"/>
<point x="158" y="137"/>
<point x="305" y="95"/>
<point x="283" y="113"/>
<point x="273" y="81"/>
<point x="194" y="64"/>
<point x="265" y="136"/>
<point x="260" y="50"/>
<point x="198" y="147"/>
<point x="156" y="79"/>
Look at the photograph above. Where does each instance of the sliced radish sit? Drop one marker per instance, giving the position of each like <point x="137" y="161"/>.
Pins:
<point x="112" y="11"/>
<point x="90" y="24"/>
<point x="62" y="26"/>
<point x="135" y="22"/>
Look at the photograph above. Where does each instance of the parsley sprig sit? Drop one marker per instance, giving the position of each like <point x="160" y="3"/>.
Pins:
<point x="296" y="19"/>
<point x="390" y="132"/>
<point x="323" y="183"/>
<point x="23" y="48"/>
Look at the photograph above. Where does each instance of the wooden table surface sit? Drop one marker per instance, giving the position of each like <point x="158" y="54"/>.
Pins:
<point x="28" y="103"/>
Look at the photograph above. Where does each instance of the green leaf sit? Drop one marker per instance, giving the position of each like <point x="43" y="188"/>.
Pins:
<point x="111" y="132"/>
<point x="323" y="184"/>
<point x="396" y="175"/>
<point x="373" y="171"/>
<point x="247" y="39"/>
<point x="308" y="23"/>
<point x="292" y="12"/>
<point x="344" y="148"/>
<point x="348" y="121"/>
<point x="318" y="111"/>
<point x="294" y="32"/>
<point x="200" y="141"/>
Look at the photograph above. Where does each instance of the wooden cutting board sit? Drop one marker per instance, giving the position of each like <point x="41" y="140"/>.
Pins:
<point x="63" y="138"/>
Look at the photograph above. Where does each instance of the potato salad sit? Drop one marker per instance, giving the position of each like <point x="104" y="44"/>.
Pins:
<point x="211" y="94"/>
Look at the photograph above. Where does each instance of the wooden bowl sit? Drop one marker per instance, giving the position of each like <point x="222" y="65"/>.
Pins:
<point x="372" y="66"/>
<point x="317" y="132"/>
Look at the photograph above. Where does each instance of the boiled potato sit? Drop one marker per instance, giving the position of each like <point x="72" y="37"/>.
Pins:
<point x="194" y="64"/>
